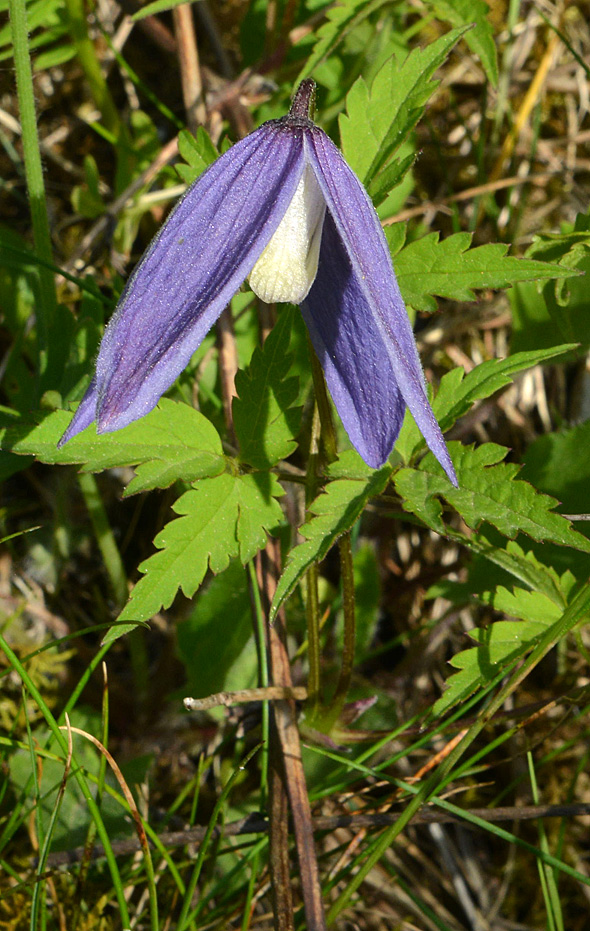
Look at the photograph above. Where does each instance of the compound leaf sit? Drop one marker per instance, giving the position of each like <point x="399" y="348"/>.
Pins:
<point x="449" y="268"/>
<point x="172" y="442"/>
<point x="220" y="518"/>
<point x="458" y="392"/>
<point x="488" y="491"/>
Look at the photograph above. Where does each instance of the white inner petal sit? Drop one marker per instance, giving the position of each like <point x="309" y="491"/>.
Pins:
<point x="287" y="268"/>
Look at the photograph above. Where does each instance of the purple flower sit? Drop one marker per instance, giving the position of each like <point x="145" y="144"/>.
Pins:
<point x="283" y="209"/>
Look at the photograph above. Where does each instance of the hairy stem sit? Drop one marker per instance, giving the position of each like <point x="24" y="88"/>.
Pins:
<point x="46" y="302"/>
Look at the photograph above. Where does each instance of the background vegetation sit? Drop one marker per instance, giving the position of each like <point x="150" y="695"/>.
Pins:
<point x="442" y="796"/>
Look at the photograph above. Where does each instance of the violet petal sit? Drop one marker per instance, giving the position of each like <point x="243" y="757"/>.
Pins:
<point x="190" y="272"/>
<point x="378" y="305"/>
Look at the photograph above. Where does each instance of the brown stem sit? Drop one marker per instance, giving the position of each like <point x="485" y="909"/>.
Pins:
<point x="190" y="72"/>
<point x="285" y="720"/>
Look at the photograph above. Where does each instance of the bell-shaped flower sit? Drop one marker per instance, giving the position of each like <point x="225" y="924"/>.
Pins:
<point x="283" y="209"/>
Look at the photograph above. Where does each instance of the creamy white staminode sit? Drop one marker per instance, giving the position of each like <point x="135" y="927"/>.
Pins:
<point x="287" y="268"/>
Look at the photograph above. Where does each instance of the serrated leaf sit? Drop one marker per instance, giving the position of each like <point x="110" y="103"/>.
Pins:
<point x="265" y="417"/>
<point x="502" y="641"/>
<point x="393" y="173"/>
<point x="522" y="566"/>
<point x="342" y="18"/>
<point x="523" y="604"/>
<point x="198" y="152"/>
<point x="488" y="491"/>
<point x="335" y="511"/>
<point x="171" y="442"/>
<point x="220" y="518"/>
<point x="379" y="119"/>
<point x="480" y="39"/>
<point x="458" y="392"/>
<point x="500" y="644"/>
<point x="449" y="268"/>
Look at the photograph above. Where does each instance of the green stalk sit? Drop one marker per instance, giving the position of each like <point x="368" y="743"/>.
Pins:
<point x="77" y="773"/>
<point x="328" y="431"/>
<point x="312" y="610"/>
<point x="263" y="677"/>
<point x="46" y="302"/>
<point x="91" y="66"/>
<point x="104" y="536"/>
<point x="117" y="577"/>
<point x="435" y="783"/>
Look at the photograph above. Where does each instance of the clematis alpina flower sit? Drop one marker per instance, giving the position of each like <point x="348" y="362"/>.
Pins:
<point x="283" y="209"/>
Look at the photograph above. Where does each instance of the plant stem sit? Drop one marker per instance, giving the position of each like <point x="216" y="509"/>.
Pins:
<point x="329" y="446"/>
<point x="91" y="66"/>
<point x="104" y="537"/>
<point x="47" y="302"/>
<point x="328" y="432"/>
<point x="349" y="638"/>
<point x="118" y="579"/>
<point x="312" y="611"/>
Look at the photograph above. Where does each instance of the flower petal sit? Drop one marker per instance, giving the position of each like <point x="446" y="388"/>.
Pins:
<point x="191" y="270"/>
<point x="350" y="347"/>
<point x="363" y="240"/>
<point x="84" y="416"/>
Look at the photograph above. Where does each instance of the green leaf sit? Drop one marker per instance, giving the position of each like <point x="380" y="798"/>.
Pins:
<point x="221" y="518"/>
<point x="158" y="6"/>
<point x="499" y="644"/>
<point x="480" y="39"/>
<point x="553" y="463"/>
<point x="523" y="604"/>
<point x="506" y="642"/>
<point x="335" y="511"/>
<point x="451" y="269"/>
<point x="458" y="392"/>
<point x="393" y="173"/>
<point x="342" y="18"/>
<point x="522" y="566"/>
<point x="379" y="119"/>
<point x="172" y="442"/>
<point x="488" y="491"/>
<point x="265" y="418"/>
<point x="197" y="151"/>
<point x="214" y="638"/>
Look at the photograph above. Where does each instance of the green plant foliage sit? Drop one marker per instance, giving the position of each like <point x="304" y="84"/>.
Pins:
<point x="498" y="645"/>
<point x="221" y="518"/>
<point x="74" y="818"/>
<point x="450" y="268"/>
<point x="342" y="19"/>
<point x="215" y="642"/>
<point x="553" y="463"/>
<point x="458" y="392"/>
<point x="266" y="419"/>
<point x="488" y="491"/>
<point x="47" y="24"/>
<point x="480" y="38"/>
<point x="504" y="641"/>
<point x="367" y="591"/>
<point x="172" y="442"/>
<point x="334" y="511"/>
<point x="562" y="314"/>
<point x="379" y="119"/>
<point x="197" y="151"/>
<point x="158" y="6"/>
